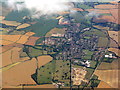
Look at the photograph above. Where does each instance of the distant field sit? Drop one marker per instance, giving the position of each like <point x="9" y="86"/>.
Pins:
<point x="44" y="73"/>
<point x="23" y="26"/>
<point x="88" y="54"/>
<point x="115" y="50"/>
<point x="43" y="60"/>
<point x="95" y="32"/>
<point x="109" y="66"/>
<point x="114" y="35"/>
<point x="108" y="76"/>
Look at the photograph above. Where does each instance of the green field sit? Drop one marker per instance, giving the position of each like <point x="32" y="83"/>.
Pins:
<point x="62" y="70"/>
<point x="44" y="73"/>
<point x="88" y="54"/>
<point x="103" y="42"/>
<point x="95" y="32"/>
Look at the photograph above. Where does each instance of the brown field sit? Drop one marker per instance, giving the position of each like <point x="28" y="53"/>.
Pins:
<point x="100" y="11"/>
<point x="55" y="31"/>
<point x="40" y="86"/>
<point x="108" y="76"/>
<point x="42" y="60"/>
<point x="106" y="6"/>
<point x="23" y="26"/>
<point x="65" y="12"/>
<point x="114" y="35"/>
<point x="101" y="27"/>
<point x="19" y="74"/>
<point x="10" y="39"/>
<point x="109" y="66"/>
<point x="115" y="50"/>
<point x="10" y="46"/>
<point x="113" y="44"/>
<point x="31" y="41"/>
<point x="10" y="23"/>
<point x="77" y="9"/>
<point x="11" y="56"/>
<point x="102" y="84"/>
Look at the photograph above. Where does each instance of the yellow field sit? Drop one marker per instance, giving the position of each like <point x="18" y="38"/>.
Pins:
<point x="23" y="26"/>
<point x="115" y="50"/>
<point x="101" y="27"/>
<point x="42" y="60"/>
<point x="102" y="84"/>
<point x="108" y="76"/>
<point x="10" y="56"/>
<point x="10" y="23"/>
<point x="9" y="39"/>
<point x="20" y="74"/>
<point x="55" y="31"/>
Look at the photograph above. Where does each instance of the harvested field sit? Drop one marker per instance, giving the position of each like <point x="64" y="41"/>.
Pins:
<point x="9" y="39"/>
<point x="32" y="41"/>
<point x="10" y="56"/>
<point x="114" y="35"/>
<point x="113" y="44"/>
<point x="42" y="60"/>
<point x="98" y="11"/>
<point x="108" y="76"/>
<point x="115" y="50"/>
<point x="109" y="66"/>
<point x="23" y="26"/>
<point x="104" y="18"/>
<point x="77" y="9"/>
<point x="20" y="74"/>
<point x="105" y="6"/>
<point x="40" y="86"/>
<point x="10" y="23"/>
<point x="101" y="27"/>
<point x="102" y="84"/>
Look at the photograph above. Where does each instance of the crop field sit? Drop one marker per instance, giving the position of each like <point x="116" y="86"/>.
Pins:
<point x="114" y="35"/>
<point x="102" y="84"/>
<point x="10" y="23"/>
<point x="44" y="73"/>
<point x="115" y="50"/>
<point x="95" y="32"/>
<point x="11" y="56"/>
<point x="105" y="6"/>
<point x="109" y="66"/>
<point x="87" y="54"/>
<point x="62" y="70"/>
<point x="23" y="26"/>
<point x="108" y="76"/>
<point x="20" y="74"/>
<point x="113" y="44"/>
<point x="43" y="60"/>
